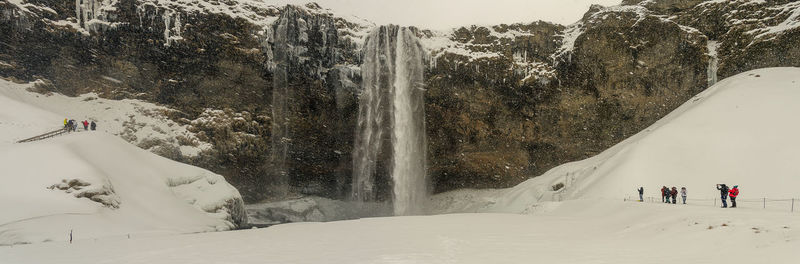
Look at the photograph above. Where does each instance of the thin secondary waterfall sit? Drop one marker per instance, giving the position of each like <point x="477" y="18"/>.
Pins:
<point x="280" y="138"/>
<point x="713" y="62"/>
<point x="390" y="136"/>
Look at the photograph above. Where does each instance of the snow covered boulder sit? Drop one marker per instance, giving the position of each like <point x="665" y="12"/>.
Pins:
<point x="312" y="209"/>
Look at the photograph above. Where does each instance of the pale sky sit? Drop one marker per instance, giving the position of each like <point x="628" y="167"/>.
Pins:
<point x="444" y="14"/>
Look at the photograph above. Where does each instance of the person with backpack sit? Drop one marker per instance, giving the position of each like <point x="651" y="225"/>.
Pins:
<point x="723" y="192"/>
<point x="85" y="125"/>
<point x="69" y="125"/>
<point x="65" y="124"/>
<point x="733" y="193"/>
<point x="683" y="194"/>
<point x="641" y="194"/>
<point x="93" y="125"/>
<point x="664" y="194"/>
<point x="674" y="194"/>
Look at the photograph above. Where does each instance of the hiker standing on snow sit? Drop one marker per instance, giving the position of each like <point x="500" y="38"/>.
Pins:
<point x="733" y="193"/>
<point x="723" y="192"/>
<point x="94" y="125"/>
<point x="683" y="194"/>
<point x="69" y="125"/>
<point x="664" y="194"/>
<point x="674" y="194"/>
<point x="65" y="124"/>
<point x="641" y="192"/>
<point x="85" y="125"/>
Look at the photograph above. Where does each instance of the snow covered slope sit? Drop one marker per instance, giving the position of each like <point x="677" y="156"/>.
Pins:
<point x="95" y="183"/>
<point x="741" y="131"/>
<point x="578" y="232"/>
<point x="135" y="121"/>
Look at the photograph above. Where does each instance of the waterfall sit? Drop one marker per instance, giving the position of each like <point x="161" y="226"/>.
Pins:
<point x="713" y="62"/>
<point x="408" y="137"/>
<point x="280" y="138"/>
<point x="390" y="135"/>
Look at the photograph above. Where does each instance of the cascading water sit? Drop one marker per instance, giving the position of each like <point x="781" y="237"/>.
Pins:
<point x="408" y="137"/>
<point x="713" y="62"/>
<point x="280" y="138"/>
<point x="391" y="110"/>
<point x="377" y="71"/>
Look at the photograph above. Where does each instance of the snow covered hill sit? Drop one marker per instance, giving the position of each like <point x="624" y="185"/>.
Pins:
<point x="96" y="184"/>
<point x="740" y="131"/>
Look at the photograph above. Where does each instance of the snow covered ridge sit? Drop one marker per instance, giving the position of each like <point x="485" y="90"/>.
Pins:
<point x="96" y="16"/>
<point x="735" y="132"/>
<point x="95" y="183"/>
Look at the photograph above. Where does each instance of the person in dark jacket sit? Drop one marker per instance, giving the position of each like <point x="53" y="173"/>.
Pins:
<point x="674" y="194"/>
<point x="723" y="192"/>
<point x="664" y="194"/>
<point x="733" y="193"/>
<point x="641" y="194"/>
<point x="94" y="125"/>
<point x="70" y="125"/>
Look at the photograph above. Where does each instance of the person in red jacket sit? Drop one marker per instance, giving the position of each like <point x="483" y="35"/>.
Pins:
<point x="733" y="193"/>
<point x="664" y="196"/>
<point x="674" y="194"/>
<point x="85" y="125"/>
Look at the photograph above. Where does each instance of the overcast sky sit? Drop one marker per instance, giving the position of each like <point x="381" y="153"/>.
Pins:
<point x="444" y="14"/>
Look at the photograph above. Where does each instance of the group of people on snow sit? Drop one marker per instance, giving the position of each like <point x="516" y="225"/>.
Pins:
<point x="71" y="125"/>
<point x="724" y="192"/>
<point x="672" y="193"/>
<point x="667" y="193"/>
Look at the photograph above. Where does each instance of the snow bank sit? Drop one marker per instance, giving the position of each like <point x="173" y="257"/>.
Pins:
<point x="112" y="188"/>
<point x="739" y="132"/>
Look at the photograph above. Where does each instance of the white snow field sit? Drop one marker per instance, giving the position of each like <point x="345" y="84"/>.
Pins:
<point x="742" y="131"/>
<point x="105" y="187"/>
<point x="578" y="231"/>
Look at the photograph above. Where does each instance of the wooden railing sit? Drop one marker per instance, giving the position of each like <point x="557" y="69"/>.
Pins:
<point x="50" y="134"/>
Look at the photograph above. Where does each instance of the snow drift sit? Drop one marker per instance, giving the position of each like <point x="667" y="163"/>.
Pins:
<point x="741" y="131"/>
<point x="99" y="185"/>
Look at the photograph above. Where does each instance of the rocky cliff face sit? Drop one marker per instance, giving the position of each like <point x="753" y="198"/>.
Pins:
<point x="275" y="89"/>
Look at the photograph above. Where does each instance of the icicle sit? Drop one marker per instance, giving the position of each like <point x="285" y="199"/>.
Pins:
<point x="166" y="17"/>
<point x="713" y="62"/>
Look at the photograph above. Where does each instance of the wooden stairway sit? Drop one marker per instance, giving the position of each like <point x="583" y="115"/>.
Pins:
<point x="50" y="134"/>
